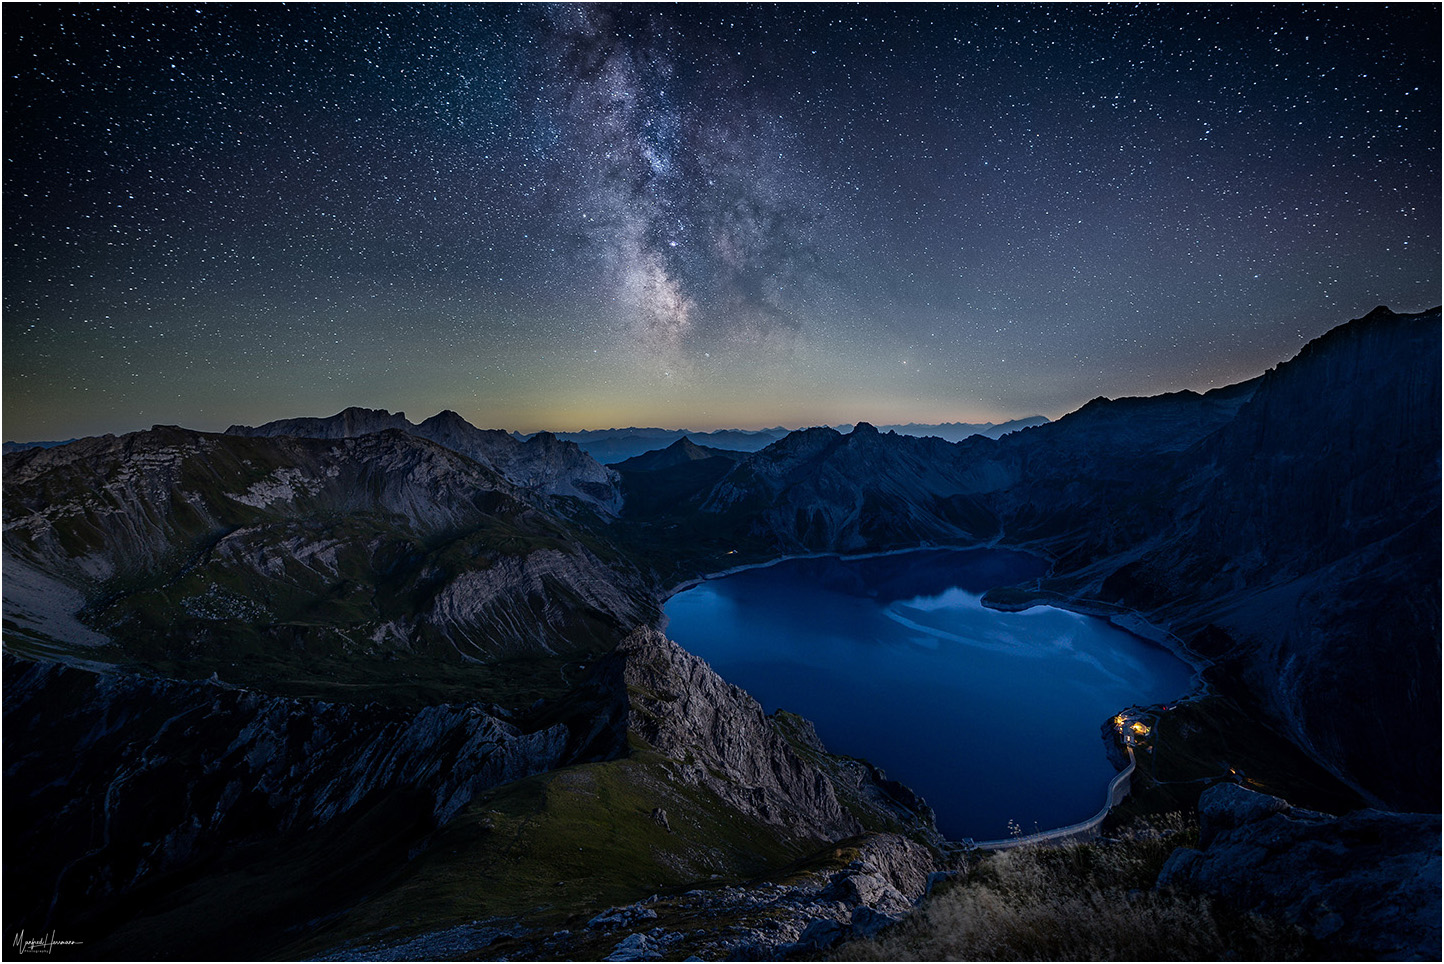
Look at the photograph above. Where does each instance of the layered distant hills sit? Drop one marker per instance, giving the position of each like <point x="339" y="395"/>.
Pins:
<point x="613" y="445"/>
<point x="307" y="688"/>
<point x="607" y="446"/>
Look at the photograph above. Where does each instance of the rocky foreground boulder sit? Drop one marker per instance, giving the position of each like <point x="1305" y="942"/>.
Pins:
<point x="1368" y="880"/>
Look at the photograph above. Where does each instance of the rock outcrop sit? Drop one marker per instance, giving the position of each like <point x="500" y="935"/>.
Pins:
<point x="1367" y="881"/>
<point x="884" y="877"/>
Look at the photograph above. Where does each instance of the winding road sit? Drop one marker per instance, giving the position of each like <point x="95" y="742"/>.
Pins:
<point x="1084" y="830"/>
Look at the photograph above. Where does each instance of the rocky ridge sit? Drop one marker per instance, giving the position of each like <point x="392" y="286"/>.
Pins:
<point x="542" y="464"/>
<point x="762" y="766"/>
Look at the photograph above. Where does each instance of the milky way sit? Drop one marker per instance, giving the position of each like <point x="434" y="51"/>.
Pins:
<point x="574" y="216"/>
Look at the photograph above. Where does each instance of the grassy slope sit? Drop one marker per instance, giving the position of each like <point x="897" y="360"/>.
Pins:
<point x="557" y="848"/>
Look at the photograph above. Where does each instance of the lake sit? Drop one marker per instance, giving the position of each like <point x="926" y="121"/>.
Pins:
<point x="990" y="716"/>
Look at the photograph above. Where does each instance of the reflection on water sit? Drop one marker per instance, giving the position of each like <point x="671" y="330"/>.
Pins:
<point x="990" y="716"/>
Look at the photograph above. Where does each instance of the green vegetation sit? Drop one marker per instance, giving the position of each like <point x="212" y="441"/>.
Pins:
<point x="1077" y="902"/>
<point x="557" y="848"/>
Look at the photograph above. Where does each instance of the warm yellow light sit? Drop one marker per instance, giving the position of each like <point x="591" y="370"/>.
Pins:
<point x="1140" y="729"/>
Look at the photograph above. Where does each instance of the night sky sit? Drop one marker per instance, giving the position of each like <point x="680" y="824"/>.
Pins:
<point x="571" y="217"/>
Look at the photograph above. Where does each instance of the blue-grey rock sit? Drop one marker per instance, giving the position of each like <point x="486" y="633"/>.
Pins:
<point x="1366" y="883"/>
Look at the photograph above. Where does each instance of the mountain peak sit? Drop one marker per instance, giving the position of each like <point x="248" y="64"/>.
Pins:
<point x="447" y="417"/>
<point x="864" y="428"/>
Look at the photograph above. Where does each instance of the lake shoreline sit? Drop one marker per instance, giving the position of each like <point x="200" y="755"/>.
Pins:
<point x="1009" y="574"/>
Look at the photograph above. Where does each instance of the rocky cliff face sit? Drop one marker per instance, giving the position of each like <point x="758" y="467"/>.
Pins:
<point x="765" y="767"/>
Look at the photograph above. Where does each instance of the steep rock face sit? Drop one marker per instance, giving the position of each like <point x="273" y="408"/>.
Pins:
<point x="127" y="778"/>
<point x="1367" y="881"/>
<point x="542" y="464"/>
<point x="517" y="604"/>
<point x="684" y="710"/>
<point x="765" y="767"/>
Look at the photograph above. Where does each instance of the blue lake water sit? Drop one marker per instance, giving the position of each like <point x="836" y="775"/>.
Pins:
<point x="989" y="716"/>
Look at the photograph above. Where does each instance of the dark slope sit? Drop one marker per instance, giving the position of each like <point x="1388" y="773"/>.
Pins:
<point x="1306" y="550"/>
<point x="658" y="484"/>
<point x="680" y="452"/>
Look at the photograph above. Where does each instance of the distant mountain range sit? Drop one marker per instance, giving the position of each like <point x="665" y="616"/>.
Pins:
<point x="612" y="445"/>
<point x="607" y="445"/>
<point x="22" y="446"/>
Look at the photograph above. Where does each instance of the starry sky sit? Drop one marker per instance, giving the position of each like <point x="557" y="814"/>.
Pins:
<point x="577" y="216"/>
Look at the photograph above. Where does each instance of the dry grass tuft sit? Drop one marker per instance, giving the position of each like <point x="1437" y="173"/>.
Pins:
<point x="1077" y="902"/>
